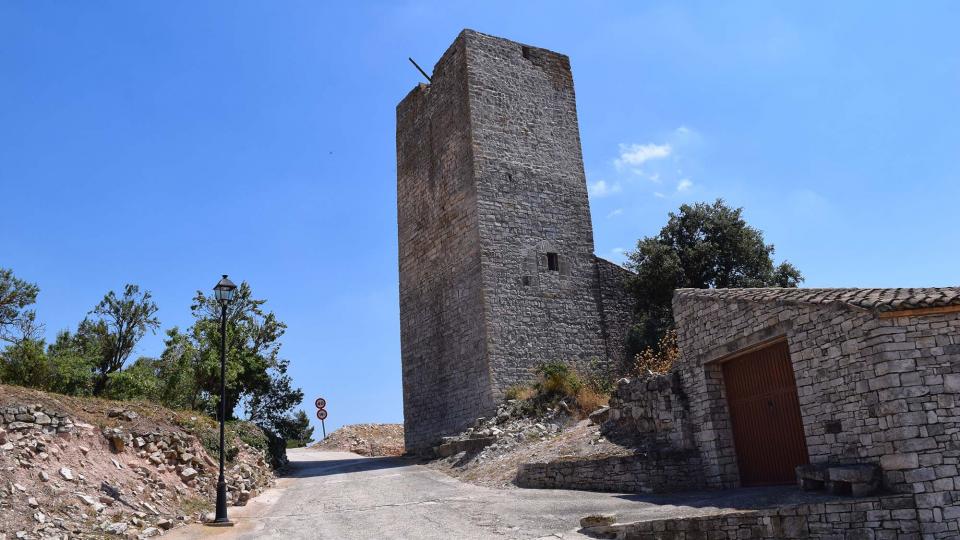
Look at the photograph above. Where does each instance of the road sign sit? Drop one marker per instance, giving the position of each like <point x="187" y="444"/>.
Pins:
<point x="322" y="414"/>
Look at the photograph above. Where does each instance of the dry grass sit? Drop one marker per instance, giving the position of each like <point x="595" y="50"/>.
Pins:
<point x="520" y="392"/>
<point x="659" y="360"/>
<point x="589" y="399"/>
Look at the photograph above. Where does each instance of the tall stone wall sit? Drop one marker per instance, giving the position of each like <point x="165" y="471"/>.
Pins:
<point x="616" y="311"/>
<point x="497" y="270"/>
<point x="446" y="380"/>
<point x="532" y="201"/>
<point x="871" y="389"/>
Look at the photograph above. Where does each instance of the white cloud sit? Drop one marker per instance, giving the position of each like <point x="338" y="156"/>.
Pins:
<point x="618" y="254"/>
<point x="602" y="189"/>
<point x="615" y="213"/>
<point x="658" y="195"/>
<point x="637" y="154"/>
<point x="684" y="185"/>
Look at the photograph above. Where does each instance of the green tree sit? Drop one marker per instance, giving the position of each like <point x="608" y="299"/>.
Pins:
<point x="24" y="363"/>
<point x="254" y="372"/>
<point x="177" y="370"/>
<point x="119" y="323"/>
<point x="702" y="246"/>
<point x="137" y="381"/>
<point x="72" y="366"/>
<point x="296" y="430"/>
<point x="16" y="321"/>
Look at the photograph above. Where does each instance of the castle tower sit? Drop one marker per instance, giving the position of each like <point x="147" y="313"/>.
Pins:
<point x="497" y="266"/>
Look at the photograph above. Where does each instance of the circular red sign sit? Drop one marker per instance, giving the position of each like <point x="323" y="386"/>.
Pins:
<point x="320" y="403"/>
<point x="322" y="414"/>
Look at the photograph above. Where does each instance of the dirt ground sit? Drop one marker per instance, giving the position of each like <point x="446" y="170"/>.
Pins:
<point x="365" y="439"/>
<point x="497" y="467"/>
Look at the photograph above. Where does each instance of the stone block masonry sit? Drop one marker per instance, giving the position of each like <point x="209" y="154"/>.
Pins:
<point x="876" y="370"/>
<point x="497" y="267"/>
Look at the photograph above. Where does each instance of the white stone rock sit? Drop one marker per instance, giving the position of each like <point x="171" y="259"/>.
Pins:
<point x="66" y="473"/>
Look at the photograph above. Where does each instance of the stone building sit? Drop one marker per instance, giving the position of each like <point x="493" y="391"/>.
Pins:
<point x="776" y="378"/>
<point x="497" y="265"/>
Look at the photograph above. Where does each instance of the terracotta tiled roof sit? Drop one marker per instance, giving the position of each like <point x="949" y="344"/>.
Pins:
<point x="871" y="299"/>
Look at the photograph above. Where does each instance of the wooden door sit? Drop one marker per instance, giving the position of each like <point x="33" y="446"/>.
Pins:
<point x="765" y="416"/>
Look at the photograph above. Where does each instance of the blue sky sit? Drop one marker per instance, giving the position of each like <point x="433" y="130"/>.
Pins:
<point x="166" y="143"/>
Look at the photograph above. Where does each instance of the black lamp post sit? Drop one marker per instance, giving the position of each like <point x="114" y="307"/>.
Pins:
<point x="224" y="291"/>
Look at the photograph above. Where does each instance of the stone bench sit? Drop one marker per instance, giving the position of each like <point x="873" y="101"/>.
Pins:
<point x="858" y="480"/>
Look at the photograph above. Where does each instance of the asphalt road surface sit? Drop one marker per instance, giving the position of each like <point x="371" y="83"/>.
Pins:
<point x="342" y="496"/>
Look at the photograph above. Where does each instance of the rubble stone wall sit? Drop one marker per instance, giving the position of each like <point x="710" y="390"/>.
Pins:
<point x="29" y="417"/>
<point x="654" y="410"/>
<point x="651" y="472"/>
<point x="880" y="518"/>
<point x="871" y="389"/>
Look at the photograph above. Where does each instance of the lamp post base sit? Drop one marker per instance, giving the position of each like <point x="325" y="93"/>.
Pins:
<point x="227" y="523"/>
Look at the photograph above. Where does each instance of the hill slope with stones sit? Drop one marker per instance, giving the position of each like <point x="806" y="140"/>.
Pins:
<point x="91" y="468"/>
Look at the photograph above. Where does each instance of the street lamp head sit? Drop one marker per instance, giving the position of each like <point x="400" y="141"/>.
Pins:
<point x="224" y="290"/>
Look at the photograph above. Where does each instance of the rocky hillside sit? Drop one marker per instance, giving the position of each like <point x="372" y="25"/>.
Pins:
<point x="492" y="451"/>
<point x="366" y="440"/>
<point x="91" y="468"/>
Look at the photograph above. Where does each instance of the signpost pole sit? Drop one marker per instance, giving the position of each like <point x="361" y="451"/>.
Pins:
<point x="322" y="414"/>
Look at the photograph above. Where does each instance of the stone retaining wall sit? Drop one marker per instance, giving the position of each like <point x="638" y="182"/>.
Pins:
<point x="654" y="410"/>
<point x="28" y="417"/>
<point x="880" y="518"/>
<point x="657" y="472"/>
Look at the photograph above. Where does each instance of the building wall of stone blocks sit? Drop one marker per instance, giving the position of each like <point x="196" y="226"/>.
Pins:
<point x="490" y="182"/>
<point x="871" y="389"/>
<point x="617" y="307"/>
<point x="532" y="200"/>
<point x="446" y="380"/>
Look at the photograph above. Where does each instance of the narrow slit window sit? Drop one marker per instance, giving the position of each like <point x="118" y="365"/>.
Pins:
<point x="553" y="262"/>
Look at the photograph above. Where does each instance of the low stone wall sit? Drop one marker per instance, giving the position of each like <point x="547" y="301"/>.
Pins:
<point x="656" y="472"/>
<point x="880" y="518"/>
<point x="651" y="409"/>
<point x="29" y="417"/>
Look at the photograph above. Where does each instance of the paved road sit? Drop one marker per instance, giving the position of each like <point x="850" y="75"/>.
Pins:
<point x="333" y="495"/>
<point x="341" y="496"/>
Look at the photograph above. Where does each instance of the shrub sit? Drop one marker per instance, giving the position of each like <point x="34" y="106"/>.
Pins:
<point x="137" y="381"/>
<point x="25" y="364"/>
<point x="520" y="392"/>
<point x="590" y="399"/>
<point x="558" y="380"/>
<point x="659" y="360"/>
<point x="561" y="383"/>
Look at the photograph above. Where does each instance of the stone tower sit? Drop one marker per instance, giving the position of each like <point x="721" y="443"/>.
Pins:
<point x="497" y="270"/>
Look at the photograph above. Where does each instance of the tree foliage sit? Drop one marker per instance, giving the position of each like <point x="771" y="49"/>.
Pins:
<point x="16" y="321"/>
<point x="701" y="246"/>
<point x="255" y="373"/>
<point x="93" y="359"/>
<point x="119" y="323"/>
<point x="296" y="430"/>
<point x="24" y="363"/>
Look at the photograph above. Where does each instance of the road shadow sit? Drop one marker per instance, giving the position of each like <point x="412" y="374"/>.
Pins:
<point x="327" y="467"/>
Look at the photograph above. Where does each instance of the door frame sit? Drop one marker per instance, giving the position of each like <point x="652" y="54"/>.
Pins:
<point x="717" y="367"/>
